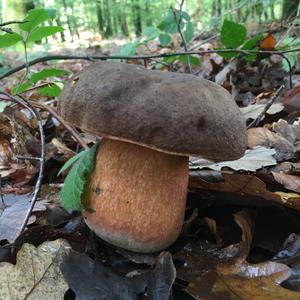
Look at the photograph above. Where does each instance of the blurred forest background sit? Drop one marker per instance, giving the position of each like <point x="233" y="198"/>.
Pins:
<point x="86" y="20"/>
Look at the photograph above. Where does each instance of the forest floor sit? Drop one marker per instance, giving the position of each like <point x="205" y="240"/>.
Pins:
<point x="240" y="238"/>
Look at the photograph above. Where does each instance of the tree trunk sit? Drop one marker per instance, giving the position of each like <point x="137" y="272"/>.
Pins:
<point x="100" y="16"/>
<point x="136" y="12"/>
<point x="289" y="8"/>
<point x="108" y="28"/>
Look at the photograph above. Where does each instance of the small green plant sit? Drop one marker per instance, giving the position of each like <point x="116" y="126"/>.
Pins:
<point x="73" y="191"/>
<point x="28" y="32"/>
<point x="234" y="36"/>
<point x="163" y="32"/>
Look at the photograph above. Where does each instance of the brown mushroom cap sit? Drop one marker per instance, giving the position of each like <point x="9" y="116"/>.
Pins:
<point x="170" y="112"/>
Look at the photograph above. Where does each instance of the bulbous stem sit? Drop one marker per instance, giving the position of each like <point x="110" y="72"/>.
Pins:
<point x="138" y="196"/>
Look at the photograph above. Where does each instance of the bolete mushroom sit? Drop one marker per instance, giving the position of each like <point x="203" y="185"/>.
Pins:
<point x="151" y="122"/>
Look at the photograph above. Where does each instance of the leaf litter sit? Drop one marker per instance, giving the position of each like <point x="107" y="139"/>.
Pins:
<point x="228" y="201"/>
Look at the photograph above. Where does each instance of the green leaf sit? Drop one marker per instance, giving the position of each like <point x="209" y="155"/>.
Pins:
<point x="51" y="90"/>
<point x="21" y="88"/>
<point x="128" y="50"/>
<point x="71" y="161"/>
<point x="168" y="24"/>
<point x="164" y="39"/>
<point x="34" y="18"/>
<point x="189" y="32"/>
<point x="229" y="54"/>
<point x="9" y="39"/>
<point x="42" y="32"/>
<point x="170" y="60"/>
<point x="194" y="60"/>
<point x="77" y="180"/>
<point x="233" y="34"/>
<point x="150" y="33"/>
<point x="253" y="42"/>
<point x="47" y="73"/>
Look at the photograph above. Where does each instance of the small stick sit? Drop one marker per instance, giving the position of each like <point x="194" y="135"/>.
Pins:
<point x="267" y="106"/>
<point x="23" y="102"/>
<point x="181" y="34"/>
<point x="72" y="130"/>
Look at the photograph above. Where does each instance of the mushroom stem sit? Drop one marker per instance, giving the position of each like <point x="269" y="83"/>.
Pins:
<point x="138" y="196"/>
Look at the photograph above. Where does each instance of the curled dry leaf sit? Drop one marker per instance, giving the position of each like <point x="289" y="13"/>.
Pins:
<point x="264" y="137"/>
<point x="254" y="159"/>
<point x="245" y="220"/>
<point x="245" y="185"/>
<point x="284" y="139"/>
<point x="225" y="274"/>
<point x="253" y="111"/>
<point x="36" y="274"/>
<point x="290" y="182"/>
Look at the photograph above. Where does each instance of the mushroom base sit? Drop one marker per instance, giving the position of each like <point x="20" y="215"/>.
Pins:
<point x="138" y="196"/>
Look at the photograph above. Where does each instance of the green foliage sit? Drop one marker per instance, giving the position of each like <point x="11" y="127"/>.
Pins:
<point x="46" y="73"/>
<point x="32" y="31"/>
<point x="42" y="32"/>
<point x="78" y="179"/>
<point x="163" y="32"/>
<point x="34" y="18"/>
<point x="52" y="89"/>
<point x="233" y="34"/>
<point x="9" y="39"/>
<point x="21" y="88"/>
<point x="164" y="39"/>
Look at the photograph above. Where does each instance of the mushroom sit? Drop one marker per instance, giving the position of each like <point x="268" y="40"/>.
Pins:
<point x="151" y="122"/>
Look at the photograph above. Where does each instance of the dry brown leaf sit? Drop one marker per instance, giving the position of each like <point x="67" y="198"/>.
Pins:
<point x="12" y="215"/>
<point x="264" y="137"/>
<point x="212" y="226"/>
<point x="225" y="274"/>
<point x="290" y="182"/>
<point x="292" y="99"/>
<point x="36" y="274"/>
<point x="245" y="220"/>
<point x="243" y="185"/>
<point x="284" y="139"/>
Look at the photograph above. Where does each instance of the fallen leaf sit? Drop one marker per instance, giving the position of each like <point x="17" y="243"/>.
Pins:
<point x="290" y="182"/>
<point x="225" y="274"/>
<point x="90" y="279"/>
<point x="264" y="137"/>
<point x="291" y="99"/>
<point x="13" y="213"/>
<point x="268" y="43"/>
<point x="245" y="220"/>
<point x="253" y="111"/>
<point x="36" y="274"/>
<point x="244" y="185"/>
<point x="254" y="159"/>
<point x="288" y="131"/>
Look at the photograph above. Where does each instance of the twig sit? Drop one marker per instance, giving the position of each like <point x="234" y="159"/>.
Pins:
<point x="72" y="130"/>
<point x="178" y="22"/>
<point x="11" y="23"/>
<point x="267" y="106"/>
<point x="150" y="56"/>
<point x="6" y="97"/>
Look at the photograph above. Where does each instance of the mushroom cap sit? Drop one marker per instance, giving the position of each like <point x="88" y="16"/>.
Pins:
<point x="175" y="113"/>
